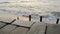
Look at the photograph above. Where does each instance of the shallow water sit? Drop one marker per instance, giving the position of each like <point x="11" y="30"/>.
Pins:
<point x="33" y="7"/>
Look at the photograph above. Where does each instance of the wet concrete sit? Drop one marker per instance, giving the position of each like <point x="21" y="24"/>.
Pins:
<point x="38" y="28"/>
<point x="7" y="29"/>
<point x="53" y="29"/>
<point x="2" y="24"/>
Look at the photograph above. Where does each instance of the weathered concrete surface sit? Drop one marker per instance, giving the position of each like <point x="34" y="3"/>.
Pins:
<point x="37" y="28"/>
<point x="8" y="20"/>
<point x="7" y="29"/>
<point x="59" y="22"/>
<point x="23" y="23"/>
<point x="50" y="21"/>
<point x="19" y="30"/>
<point x="2" y="24"/>
<point x="53" y="29"/>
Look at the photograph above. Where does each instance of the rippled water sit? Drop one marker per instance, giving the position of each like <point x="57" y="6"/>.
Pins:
<point x="33" y="7"/>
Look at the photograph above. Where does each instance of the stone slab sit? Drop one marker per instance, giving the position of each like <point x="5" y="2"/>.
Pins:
<point x="2" y="24"/>
<point x="23" y="23"/>
<point x="19" y="30"/>
<point x="59" y="22"/>
<point x="7" y="29"/>
<point x="53" y="29"/>
<point x="8" y="20"/>
<point x="51" y="22"/>
<point x="37" y="28"/>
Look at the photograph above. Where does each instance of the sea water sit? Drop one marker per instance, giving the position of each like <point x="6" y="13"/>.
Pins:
<point x="31" y="7"/>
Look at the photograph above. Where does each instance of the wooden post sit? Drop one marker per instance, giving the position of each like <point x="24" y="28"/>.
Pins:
<point x="29" y="17"/>
<point x="17" y="18"/>
<point x="57" y="21"/>
<point x="40" y="18"/>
